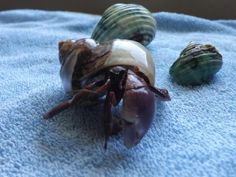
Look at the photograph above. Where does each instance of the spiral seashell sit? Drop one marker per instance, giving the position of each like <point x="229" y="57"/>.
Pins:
<point x="196" y="64"/>
<point x="126" y="21"/>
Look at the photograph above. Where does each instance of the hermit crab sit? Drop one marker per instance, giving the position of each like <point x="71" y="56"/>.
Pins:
<point x="121" y="71"/>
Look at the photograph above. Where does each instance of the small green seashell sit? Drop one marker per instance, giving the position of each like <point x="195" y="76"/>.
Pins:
<point x="126" y="21"/>
<point x="196" y="64"/>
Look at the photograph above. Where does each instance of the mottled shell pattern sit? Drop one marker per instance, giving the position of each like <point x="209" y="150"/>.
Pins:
<point x="196" y="64"/>
<point x="126" y="21"/>
<point x="84" y="58"/>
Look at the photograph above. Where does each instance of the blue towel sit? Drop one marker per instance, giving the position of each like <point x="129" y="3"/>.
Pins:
<point x="192" y="135"/>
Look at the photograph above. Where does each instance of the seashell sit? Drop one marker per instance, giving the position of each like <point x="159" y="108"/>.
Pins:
<point x="126" y="21"/>
<point x="196" y="64"/>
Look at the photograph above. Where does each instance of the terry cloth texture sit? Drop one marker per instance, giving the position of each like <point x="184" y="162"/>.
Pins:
<point x="192" y="135"/>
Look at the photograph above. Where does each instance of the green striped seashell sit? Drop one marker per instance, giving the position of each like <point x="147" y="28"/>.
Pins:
<point x="126" y="21"/>
<point x="196" y="64"/>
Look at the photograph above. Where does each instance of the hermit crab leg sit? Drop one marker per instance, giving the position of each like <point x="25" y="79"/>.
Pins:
<point x="112" y="126"/>
<point x="83" y="93"/>
<point x="160" y="93"/>
<point x="115" y="93"/>
<point x="108" y="116"/>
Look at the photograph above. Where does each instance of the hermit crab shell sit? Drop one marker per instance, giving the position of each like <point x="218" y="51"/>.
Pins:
<point x="85" y="58"/>
<point x="196" y="64"/>
<point x="126" y="21"/>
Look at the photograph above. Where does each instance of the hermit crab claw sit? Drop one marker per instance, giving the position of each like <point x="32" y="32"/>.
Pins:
<point x="133" y="134"/>
<point x="138" y="111"/>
